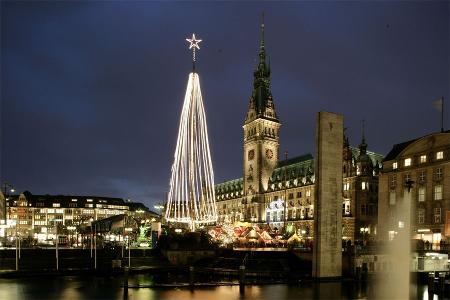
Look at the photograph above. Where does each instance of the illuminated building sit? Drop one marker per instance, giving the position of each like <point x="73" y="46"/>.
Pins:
<point x="268" y="182"/>
<point x="425" y="163"/>
<point x="39" y="216"/>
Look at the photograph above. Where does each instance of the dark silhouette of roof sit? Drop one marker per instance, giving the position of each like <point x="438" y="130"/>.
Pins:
<point x="398" y="148"/>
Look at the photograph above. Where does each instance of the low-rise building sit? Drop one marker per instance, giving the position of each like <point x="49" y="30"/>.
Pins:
<point x="40" y="217"/>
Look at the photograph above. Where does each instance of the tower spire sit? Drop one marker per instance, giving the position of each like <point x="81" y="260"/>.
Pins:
<point x="363" y="145"/>
<point x="262" y="51"/>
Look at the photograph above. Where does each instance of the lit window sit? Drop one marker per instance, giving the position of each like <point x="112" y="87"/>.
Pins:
<point x="423" y="159"/>
<point x="421" y="216"/>
<point x="392" y="235"/>
<point x="440" y="155"/>
<point x="364" y="185"/>
<point x="346" y="186"/>
<point x="438" y="192"/>
<point x="421" y="194"/>
<point x="56" y="205"/>
<point x="346" y="207"/>
<point x="437" y="215"/>
<point x="392" y="198"/>
<point x="401" y="224"/>
<point x="394" y="166"/>
<point x="89" y="200"/>
<point x="308" y="193"/>
<point x="50" y="210"/>
<point x="407" y="162"/>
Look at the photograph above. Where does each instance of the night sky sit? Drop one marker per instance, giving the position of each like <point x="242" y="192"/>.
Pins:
<point x="92" y="91"/>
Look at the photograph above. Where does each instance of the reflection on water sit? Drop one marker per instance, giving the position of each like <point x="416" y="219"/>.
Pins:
<point x="87" y="287"/>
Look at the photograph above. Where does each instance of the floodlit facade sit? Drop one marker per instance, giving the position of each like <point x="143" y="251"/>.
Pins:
<point x="424" y="163"/>
<point x="268" y="183"/>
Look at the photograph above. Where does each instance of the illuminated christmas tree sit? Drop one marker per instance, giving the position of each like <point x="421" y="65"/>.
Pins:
<point x="191" y="197"/>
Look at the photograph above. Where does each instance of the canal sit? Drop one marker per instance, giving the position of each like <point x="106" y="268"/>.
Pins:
<point x="92" y="287"/>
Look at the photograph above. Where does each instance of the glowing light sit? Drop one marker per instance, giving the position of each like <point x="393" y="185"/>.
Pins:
<point x="193" y="45"/>
<point x="191" y="197"/>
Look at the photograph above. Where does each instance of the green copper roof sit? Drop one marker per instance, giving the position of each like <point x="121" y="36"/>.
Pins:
<point x="375" y="157"/>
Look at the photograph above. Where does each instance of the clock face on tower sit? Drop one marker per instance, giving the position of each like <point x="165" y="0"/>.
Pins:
<point x="269" y="153"/>
<point x="251" y="154"/>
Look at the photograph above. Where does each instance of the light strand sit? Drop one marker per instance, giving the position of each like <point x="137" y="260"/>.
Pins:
<point x="191" y="197"/>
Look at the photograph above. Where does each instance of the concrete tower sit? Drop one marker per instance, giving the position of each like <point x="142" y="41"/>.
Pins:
<point x="261" y="139"/>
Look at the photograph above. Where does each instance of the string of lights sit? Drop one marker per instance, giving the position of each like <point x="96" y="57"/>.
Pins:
<point x="191" y="197"/>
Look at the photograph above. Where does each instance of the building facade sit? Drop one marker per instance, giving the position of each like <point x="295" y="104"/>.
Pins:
<point x="280" y="193"/>
<point x="40" y="217"/>
<point x="421" y="165"/>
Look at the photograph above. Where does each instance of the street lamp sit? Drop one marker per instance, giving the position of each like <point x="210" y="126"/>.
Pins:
<point x="129" y="230"/>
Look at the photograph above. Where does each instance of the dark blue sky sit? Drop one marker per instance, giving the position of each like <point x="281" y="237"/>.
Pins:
<point x="92" y="91"/>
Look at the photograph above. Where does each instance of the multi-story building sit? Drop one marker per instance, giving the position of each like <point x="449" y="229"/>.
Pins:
<point x="421" y="166"/>
<point x="268" y="183"/>
<point x="39" y="217"/>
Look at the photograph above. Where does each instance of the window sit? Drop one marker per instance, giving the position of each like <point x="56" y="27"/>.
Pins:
<point x="407" y="177"/>
<point x="438" y="174"/>
<point x="393" y="181"/>
<point x="394" y="166"/>
<point x="423" y="159"/>
<point x="421" y="216"/>
<point x="391" y="235"/>
<point x="438" y="192"/>
<point x="346" y="186"/>
<point x="56" y="205"/>
<point x="363" y="209"/>
<point x="407" y="162"/>
<point x="422" y="176"/>
<point x="421" y="194"/>
<point x="392" y="198"/>
<point x="364" y="185"/>
<point x="308" y="193"/>
<point x="346" y="207"/>
<point x="437" y="215"/>
<point x="440" y="155"/>
<point x="291" y="196"/>
<point x="299" y="194"/>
